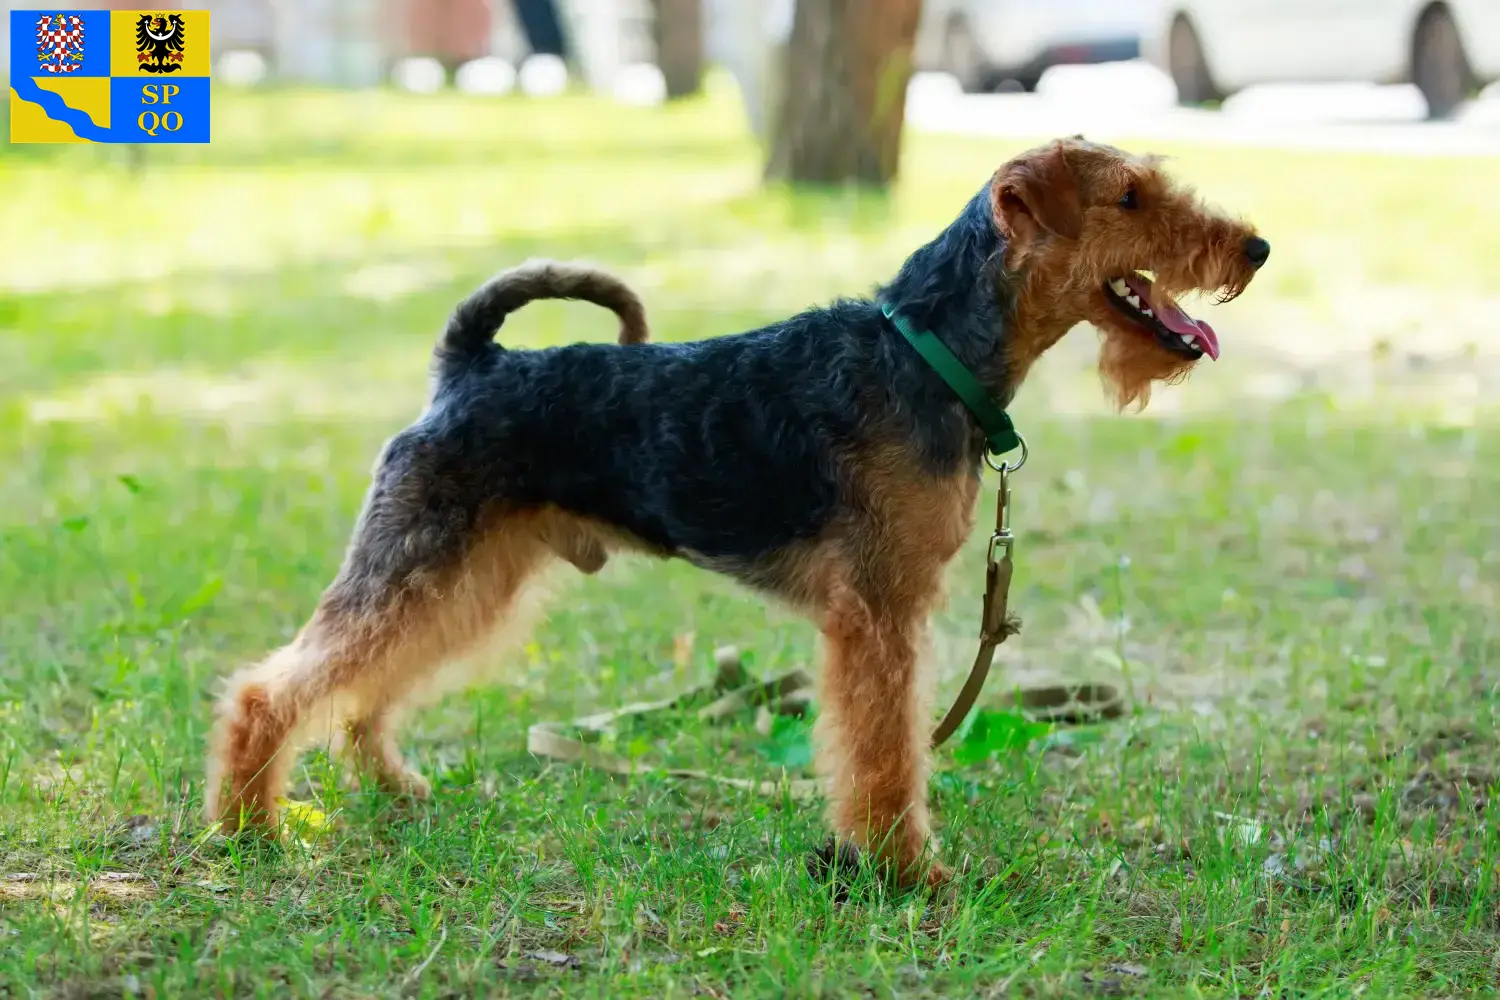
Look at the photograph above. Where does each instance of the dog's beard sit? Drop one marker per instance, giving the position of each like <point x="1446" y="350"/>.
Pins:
<point x="1130" y="362"/>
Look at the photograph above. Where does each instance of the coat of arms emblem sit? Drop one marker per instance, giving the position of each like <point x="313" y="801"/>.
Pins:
<point x="159" y="42"/>
<point x="59" y="42"/>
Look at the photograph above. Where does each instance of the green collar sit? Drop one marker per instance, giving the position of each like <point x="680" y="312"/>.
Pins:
<point x="999" y="433"/>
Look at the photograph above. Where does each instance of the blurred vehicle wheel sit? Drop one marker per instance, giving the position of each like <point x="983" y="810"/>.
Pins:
<point x="1439" y="67"/>
<point x="964" y="57"/>
<point x="1189" y="68"/>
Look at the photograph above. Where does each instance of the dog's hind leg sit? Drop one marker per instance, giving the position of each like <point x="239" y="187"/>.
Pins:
<point x="373" y="642"/>
<point x="490" y="609"/>
<point x="371" y="744"/>
<point x="267" y="709"/>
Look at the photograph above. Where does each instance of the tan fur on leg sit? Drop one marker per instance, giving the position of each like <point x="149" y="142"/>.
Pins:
<point x="873" y="733"/>
<point x="362" y="665"/>
<point x="258" y="722"/>
<point x="874" y="730"/>
<point x="373" y="750"/>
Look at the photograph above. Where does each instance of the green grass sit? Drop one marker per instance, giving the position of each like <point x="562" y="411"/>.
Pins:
<point x="1291" y="563"/>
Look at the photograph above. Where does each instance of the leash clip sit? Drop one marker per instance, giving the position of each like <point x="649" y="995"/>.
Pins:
<point x="1002" y="538"/>
<point x="998" y="565"/>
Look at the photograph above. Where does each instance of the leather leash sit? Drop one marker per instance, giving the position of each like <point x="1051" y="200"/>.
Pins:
<point x="1059" y="704"/>
<point x="995" y="621"/>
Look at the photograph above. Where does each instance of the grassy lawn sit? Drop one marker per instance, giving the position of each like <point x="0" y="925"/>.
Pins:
<point x="1290" y="563"/>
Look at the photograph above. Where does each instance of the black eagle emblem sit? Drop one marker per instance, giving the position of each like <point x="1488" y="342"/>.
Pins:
<point x="159" y="42"/>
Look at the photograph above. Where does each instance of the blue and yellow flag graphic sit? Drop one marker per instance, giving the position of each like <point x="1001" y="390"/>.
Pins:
<point x="109" y="76"/>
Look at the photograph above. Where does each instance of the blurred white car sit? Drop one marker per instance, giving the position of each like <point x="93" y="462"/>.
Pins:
<point x="985" y="43"/>
<point x="1212" y="48"/>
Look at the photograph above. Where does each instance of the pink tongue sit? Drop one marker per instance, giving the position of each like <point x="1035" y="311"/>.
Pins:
<point x="1175" y="319"/>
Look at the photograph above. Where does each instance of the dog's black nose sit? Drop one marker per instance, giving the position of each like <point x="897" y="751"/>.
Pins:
<point x="1257" y="250"/>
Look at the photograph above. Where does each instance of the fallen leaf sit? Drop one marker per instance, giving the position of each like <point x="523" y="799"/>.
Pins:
<point x="304" y="817"/>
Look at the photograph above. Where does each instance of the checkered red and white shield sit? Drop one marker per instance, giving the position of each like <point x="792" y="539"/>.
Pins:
<point x="59" y="42"/>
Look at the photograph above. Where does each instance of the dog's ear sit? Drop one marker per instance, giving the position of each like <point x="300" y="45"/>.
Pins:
<point x="1037" y="190"/>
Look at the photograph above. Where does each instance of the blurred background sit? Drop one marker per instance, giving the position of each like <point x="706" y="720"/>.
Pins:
<point x="348" y="130"/>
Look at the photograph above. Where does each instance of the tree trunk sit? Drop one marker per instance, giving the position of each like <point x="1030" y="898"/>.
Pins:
<point x="679" y="45"/>
<point x="843" y="92"/>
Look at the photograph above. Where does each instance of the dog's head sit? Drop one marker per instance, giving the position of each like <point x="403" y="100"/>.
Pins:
<point x="1098" y="235"/>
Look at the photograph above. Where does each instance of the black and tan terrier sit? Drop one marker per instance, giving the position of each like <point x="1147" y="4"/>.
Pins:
<point x="819" y="460"/>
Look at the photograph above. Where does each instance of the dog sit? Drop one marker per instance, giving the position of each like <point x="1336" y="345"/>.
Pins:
<point x="819" y="460"/>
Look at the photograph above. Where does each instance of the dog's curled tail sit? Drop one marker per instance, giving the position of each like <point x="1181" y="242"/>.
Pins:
<point x="479" y="317"/>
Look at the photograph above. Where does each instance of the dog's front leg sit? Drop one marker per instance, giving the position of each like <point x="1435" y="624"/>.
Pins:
<point x="872" y="734"/>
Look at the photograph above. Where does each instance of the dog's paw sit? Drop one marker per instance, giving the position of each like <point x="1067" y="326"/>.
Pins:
<point x="840" y="862"/>
<point x="416" y="786"/>
<point x="236" y="816"/>
<point x="407" y="784"/>
<point x="938" y="875"/>
<point x="837" y="862"/>
<point x="834" y="859"/>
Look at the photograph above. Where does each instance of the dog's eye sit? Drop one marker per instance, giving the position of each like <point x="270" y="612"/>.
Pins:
<point x="1129" y="200"/>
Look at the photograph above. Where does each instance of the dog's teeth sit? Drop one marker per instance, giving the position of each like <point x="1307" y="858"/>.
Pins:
<point x="1146" y="312"/>
<point x="1119" y="287"/>
<point x="1187" y="338"/>
<point x="1133" y="300"/>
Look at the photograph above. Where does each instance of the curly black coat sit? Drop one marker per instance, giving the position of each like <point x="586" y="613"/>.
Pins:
<point x="720" y="451"/>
